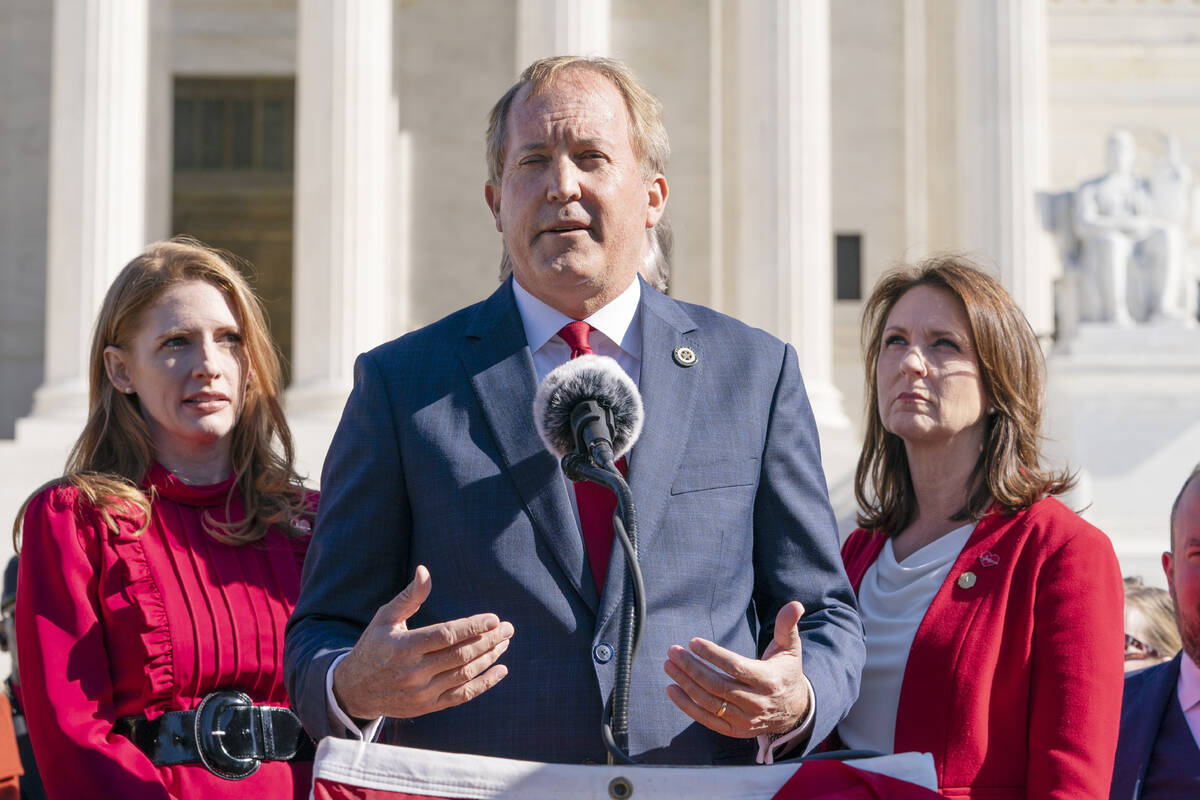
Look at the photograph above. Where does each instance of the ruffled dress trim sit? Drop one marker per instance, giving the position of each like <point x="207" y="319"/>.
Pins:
<point x="145" y="594"/>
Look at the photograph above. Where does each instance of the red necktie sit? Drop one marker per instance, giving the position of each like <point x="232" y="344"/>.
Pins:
<point x="595" y="503"/>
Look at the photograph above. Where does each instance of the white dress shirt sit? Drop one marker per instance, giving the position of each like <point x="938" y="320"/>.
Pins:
<point x="892" y="600"/>
<point x="615" y="332"/>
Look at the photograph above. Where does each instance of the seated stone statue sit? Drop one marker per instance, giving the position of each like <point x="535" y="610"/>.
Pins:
<point x="1118" y="230"/>
<point x="1170" y="283"/>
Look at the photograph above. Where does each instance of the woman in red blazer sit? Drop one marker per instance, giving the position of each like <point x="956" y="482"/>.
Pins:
<point x="993" y="613"/>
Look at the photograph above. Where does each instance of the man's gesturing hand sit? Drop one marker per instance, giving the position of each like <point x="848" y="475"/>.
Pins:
<point x="742" y="697"/>
<point x="397" y="672"/>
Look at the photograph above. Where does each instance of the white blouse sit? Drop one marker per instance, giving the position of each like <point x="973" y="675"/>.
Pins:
<point x="892" y="600"/>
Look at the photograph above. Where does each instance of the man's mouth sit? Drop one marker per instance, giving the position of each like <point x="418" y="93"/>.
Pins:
<point x="566" y="227"/>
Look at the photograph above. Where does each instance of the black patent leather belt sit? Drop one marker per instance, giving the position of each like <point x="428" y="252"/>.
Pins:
<point x="226" y="733"/>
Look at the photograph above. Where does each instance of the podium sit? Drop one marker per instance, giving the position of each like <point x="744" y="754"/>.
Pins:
<point x="354" y="770"/>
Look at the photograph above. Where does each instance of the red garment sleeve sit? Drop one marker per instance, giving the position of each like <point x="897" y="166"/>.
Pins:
<point x="65" y="680"/>
<point x="1077" y="670"/>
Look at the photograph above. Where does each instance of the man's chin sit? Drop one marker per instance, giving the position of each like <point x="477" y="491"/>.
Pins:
<point x="565" y="270"/>
<point x="1190" y="634"/>
<point x="1189" y="630"/>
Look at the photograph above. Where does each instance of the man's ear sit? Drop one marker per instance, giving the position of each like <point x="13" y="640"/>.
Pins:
<point x="491" y="196"/>
<point x="1167" y="562"/>
<point x="656" y="195"/>
<point x="117" y="369"/>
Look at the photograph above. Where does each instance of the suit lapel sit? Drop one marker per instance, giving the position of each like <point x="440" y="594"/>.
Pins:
<point x="1142" y="714"/>
<point x="500" y="367"/>
<point x="669" y="394"/>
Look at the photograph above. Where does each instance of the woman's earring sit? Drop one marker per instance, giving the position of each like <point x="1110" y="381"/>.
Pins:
<point x="128" y="390"/>
<point x="991" y="409"/>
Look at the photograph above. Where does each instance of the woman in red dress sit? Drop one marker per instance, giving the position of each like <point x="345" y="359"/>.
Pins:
<point x="993" y="614"/>
<point x="156" y="577"/>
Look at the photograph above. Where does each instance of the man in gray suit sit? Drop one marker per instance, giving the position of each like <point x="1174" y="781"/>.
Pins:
<point x="436" y="486"/>
<point x="1158" y="753"/>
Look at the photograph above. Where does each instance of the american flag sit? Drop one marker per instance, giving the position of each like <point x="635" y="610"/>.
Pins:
<point x="353" y="770"/>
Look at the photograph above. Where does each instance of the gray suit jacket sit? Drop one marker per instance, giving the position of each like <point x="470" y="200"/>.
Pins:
<point x="1143" y="704"/>
<point x="437" y="462"/>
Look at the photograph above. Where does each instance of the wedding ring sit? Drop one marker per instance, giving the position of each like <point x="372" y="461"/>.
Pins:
<point x="721" y="711"/>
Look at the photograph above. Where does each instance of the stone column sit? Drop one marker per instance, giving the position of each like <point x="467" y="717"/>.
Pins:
<point x="1002" y="136"/>
<point x="783" y="186"/>
<point x="160" y="124"/>
<point x="916" y="140"/>
<point x="345" y="125"/>
<point x="562" y="27"/>
<point x="97" y="213"/>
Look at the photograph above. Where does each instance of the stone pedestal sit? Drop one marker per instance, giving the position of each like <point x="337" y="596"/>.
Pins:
<point x="1124" y="410"/>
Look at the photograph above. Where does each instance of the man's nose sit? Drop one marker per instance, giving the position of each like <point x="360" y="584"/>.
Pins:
<point x="564" y="181"/>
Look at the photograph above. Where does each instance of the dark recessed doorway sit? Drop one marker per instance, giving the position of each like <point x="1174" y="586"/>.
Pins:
<point x="232" y="182"/>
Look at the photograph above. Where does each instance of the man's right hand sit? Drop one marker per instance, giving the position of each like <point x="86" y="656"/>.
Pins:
<point x="397" y="672"/>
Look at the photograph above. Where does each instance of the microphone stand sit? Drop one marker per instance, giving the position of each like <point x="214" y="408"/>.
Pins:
<point x="614" y="725"/>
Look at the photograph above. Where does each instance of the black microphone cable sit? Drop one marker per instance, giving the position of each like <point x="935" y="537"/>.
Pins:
<point x="614" y="724"/>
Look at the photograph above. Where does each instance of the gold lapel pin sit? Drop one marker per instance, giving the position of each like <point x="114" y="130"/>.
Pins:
<point x="966" y="580"/>
<point x="684" y="356"/>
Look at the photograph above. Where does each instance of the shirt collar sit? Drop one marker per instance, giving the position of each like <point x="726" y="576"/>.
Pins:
<point x="1189" y="682"/>
<point x="615" y="320"/>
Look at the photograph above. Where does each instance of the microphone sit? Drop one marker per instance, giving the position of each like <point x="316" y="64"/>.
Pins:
<point x="589" y="413"/>
<point x="589" y="406"/>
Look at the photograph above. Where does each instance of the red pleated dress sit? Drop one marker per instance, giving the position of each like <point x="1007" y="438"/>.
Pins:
<point x="123" y="624"/>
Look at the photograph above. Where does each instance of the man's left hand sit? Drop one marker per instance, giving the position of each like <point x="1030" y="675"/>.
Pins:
<point x="739" y="696"/>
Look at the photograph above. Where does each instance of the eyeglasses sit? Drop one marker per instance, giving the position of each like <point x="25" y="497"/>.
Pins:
<point x="1140" y="648"/>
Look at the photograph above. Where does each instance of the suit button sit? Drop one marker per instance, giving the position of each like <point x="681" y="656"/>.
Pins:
<point x="603" y="653"/>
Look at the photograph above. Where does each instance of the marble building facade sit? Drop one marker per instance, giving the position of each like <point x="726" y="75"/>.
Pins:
<point x="815" y="143"/>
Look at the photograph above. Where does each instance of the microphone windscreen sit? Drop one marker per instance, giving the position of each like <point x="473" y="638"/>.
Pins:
<point x="588" y="377"/>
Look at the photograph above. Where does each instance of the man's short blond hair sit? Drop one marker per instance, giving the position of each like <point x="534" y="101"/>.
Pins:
<point x="647" y="133"/>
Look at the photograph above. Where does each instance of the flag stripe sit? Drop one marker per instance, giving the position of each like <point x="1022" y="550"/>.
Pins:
<point x="353" y="770"/>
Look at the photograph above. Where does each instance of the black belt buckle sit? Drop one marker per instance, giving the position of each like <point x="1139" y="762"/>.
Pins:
<point x="225" y="720"/>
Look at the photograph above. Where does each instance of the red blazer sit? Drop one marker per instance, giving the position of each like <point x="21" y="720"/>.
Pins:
<point x="1014" y="678"/>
